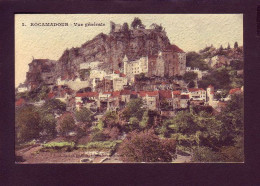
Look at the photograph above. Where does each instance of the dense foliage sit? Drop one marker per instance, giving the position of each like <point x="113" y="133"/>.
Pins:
<point x="83" y="115"/>
<point x="146" y="147"/>
<point x="27" y="123"/>
<point x="65" y="124"/>
<point x="134" y="109"/>
<point x="195" y="60"/>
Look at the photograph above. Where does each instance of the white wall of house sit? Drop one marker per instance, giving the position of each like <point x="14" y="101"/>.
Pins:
<point x="199" y="95"/>
<point x="97" y="74"/>
<point x="60" y="82"/>
<point x="136" y="67"/>
<point x="91" y="65"/>
<point x="76" y="85"/>
<point x="182" y="62"/>
<point x="150" y="102"/>
<point x="184" y="103"/>
<point x="118" y="83"/>
<point x="22" y="89"/>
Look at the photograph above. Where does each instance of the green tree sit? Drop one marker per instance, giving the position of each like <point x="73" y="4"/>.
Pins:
<point x="136" y="23"/>
<point x="134" y="108"/>
<point x="233" y="118"/>
<point x="48" y="124"/>
<point x="236" y="45"/>
<point x="189" y="76"/>
<point x="219" y="78"/>
<point x="133" y="123"/>
<point x="228" y="47"/>
<point x="206" y="154"/>
<point x="43" y="92"/>
<point x="100" y="125"/>
<point x="111" y="119"/>
<point x="195" y="60"/>
<point x="27" y="123"/>
<point x="66" y="124"/>
<point x="125" y="27"/>
<point x="146" y="147"/>
<point x="145" y="119"/>
<point x="54" y="105"/>
<point x="83" y="115"/>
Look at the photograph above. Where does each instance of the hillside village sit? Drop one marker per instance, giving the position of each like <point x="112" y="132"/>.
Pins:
<point x="161" y="82"/>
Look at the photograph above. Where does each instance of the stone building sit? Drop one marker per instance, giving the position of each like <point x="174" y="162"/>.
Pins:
<point x="135" y="67"/>
<point x="167" y="63"/>
<point x="174" y="61"/>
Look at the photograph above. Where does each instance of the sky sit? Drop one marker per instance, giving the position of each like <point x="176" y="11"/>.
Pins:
<point x="191" y="32"/>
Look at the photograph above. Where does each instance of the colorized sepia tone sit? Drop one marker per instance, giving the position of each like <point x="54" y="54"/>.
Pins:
<point x="129" y="88"/>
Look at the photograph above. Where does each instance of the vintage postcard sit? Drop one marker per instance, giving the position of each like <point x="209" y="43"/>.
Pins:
<point x="129" y="88"/>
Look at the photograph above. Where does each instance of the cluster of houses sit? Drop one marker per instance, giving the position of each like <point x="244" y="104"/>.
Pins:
<point x="112" y="90"/>
<point x="165" y="101"/>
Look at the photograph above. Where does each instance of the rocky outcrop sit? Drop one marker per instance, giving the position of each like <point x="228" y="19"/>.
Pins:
<point x="41" y="71"/>
<point x="111" y="49"/>
<point x="108" y="49"/>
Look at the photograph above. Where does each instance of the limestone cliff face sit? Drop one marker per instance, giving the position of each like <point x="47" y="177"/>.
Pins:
<point x="41" y="71"/>
<point x="111" y="49"/>
<point x="108" y="49"/>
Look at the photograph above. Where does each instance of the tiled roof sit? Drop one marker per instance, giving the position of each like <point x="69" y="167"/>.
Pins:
<point x="51" y="95"/>
<point x="122" y="75"/>
<point x="234" y="90"/>
<point x="117" y="72"/>
<point x="195" y="89"/>
<point x="148" y="93"/>
<point x="176" y="92"/>
<point x="125" y="92"/>
<point x="107" y="93"/>
<point x="87" y="94"/>
<point x="19" y="102"/>
<point x="165" y="94"/>
<point x="210" y="86"/>
<point x="115" y="94"/>
<point x="174" y="49"/>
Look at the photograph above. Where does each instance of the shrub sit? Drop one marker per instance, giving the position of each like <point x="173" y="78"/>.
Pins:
<point x="27" y="123"/>
<point x="146" y="147"/>
<point x="113" y="133"/>
<point x="57" y="146"/>
<point x="84" y="115"/>
<point x="99" y="136"/>
<point x="66" y="124"/>
<point x="100" y="145"/>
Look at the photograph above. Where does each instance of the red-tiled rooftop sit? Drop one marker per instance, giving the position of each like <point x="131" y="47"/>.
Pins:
<point x="122" y="75"/>
<point x="117" y="72"/>
<point x="125" y="92"/>
<point x="87" y="94"/>
<point x="19" y="102"/>
<point x="174" y="48"/>
<point x="165" y="94"/>
<point x="195" y="89"/>
<point x="176" y="92"/>
<point x="234" y="90"/>
<point x="51" y="95"/>
<point x="115" y="94"/>
<point x="149" y="93"/>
